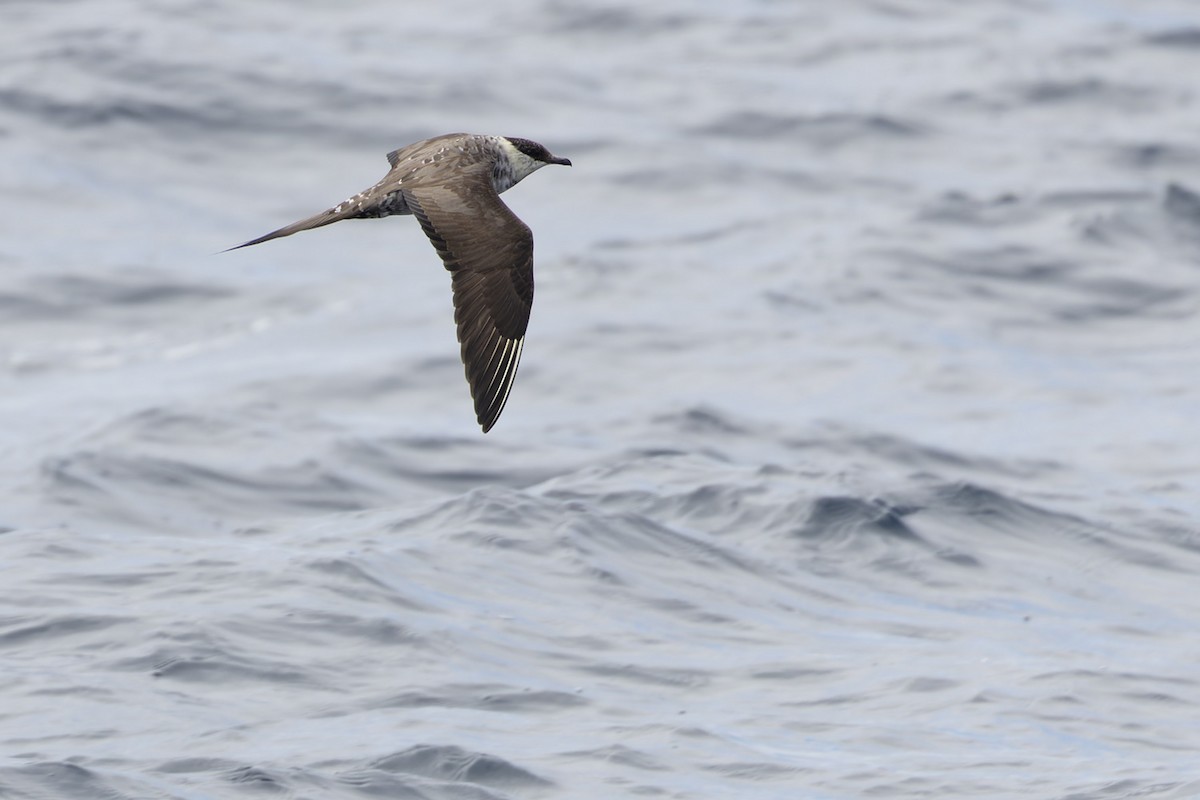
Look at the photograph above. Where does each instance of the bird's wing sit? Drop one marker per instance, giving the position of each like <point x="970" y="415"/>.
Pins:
<point x="489" y="253"/>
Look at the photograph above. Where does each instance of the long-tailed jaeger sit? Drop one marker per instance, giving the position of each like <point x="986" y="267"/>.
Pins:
<point x="452" y="185"/>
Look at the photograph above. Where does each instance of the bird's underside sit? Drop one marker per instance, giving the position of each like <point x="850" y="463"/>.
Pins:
<point x="450" y="185"/>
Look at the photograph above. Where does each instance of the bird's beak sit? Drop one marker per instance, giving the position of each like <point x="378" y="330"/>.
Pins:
<point x="566" y="162"/>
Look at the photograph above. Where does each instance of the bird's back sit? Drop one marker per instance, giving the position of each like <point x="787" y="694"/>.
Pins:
<point x="451" y="157"/>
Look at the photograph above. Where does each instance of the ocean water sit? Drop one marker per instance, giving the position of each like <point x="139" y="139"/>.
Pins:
<point x="854" y="453"/>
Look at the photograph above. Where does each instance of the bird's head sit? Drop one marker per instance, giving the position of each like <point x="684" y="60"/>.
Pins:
<point x="536" y="152"/>
<point x="524" y="158"/>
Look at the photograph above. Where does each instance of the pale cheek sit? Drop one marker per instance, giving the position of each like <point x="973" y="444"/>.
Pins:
<point x="528" y="166"/>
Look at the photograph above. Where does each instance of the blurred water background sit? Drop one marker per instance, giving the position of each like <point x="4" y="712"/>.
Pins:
<point x="854" y="451"/>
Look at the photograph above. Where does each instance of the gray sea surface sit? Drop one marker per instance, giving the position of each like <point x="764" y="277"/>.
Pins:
<point x="855" y="450"/>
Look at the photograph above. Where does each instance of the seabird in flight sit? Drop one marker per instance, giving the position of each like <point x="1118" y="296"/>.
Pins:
<point x="452" y="185"/>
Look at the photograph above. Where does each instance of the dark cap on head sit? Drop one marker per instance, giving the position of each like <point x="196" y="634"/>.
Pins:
<point x="536" y="151"/>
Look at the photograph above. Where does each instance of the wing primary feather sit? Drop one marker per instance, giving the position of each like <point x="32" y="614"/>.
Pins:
<point x="489" y="253"/>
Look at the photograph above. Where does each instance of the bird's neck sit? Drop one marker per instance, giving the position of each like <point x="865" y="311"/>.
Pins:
<point x="511" y="166"/>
